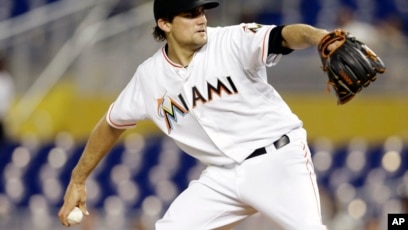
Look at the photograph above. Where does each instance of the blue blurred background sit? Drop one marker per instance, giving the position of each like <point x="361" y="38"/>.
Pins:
<point x="64" y="61"/>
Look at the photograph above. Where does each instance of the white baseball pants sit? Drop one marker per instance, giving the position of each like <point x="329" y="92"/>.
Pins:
<point x="280" y="184"/>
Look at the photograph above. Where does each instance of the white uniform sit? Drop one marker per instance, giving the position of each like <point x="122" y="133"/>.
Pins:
<point x="220" y="109"/>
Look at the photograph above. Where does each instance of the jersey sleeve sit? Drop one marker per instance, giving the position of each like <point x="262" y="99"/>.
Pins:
<point x="254" y="41"/>
<point x="129" y="106"/>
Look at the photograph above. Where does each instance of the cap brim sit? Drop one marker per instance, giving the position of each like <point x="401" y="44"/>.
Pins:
<point x="166" y="9"/>
<point x="206" y="4"/>
<point x="211" y="4"/>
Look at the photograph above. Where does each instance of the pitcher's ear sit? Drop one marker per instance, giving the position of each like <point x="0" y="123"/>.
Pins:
<point x="164" y="25"/>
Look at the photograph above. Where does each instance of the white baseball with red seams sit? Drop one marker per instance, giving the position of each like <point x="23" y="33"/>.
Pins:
<point x="219" y="110"/>
<point x="75" y="216"/>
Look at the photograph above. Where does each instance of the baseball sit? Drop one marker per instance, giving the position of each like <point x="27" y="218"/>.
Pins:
<point x="75" y="216"/>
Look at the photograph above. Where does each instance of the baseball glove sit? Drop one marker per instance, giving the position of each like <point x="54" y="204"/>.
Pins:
<point x="350" y="67"/>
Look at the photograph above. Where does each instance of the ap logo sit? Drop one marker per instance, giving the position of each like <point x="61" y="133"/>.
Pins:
<point x="397" y="221"/>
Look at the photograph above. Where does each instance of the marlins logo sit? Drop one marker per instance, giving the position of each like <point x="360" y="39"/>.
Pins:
<point x="168" y="109"/>
<point x="253" y="27"/>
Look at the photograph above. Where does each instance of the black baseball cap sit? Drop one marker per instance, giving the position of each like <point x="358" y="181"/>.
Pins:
<point x="168" y="8"/>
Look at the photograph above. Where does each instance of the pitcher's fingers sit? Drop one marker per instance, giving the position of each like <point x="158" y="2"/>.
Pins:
<point x="84" y="209"/>
<point x="63" y="214"/>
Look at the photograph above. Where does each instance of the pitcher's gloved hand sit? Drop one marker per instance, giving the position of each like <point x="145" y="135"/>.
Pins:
<point x="350" y="66"/>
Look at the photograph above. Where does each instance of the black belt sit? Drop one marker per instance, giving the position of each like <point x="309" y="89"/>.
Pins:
<point x="282" y="141"/>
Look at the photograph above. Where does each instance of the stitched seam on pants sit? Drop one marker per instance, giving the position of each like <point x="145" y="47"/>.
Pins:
<point x="311" y="174"/>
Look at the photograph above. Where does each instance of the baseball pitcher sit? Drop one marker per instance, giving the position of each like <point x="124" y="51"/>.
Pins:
<point x="207" y="89"/>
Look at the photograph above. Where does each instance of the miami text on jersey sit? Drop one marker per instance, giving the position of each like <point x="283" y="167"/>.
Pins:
<point x="168" y="108"/>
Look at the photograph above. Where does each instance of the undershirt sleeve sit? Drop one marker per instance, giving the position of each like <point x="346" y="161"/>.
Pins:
<point x="275" y="42"/>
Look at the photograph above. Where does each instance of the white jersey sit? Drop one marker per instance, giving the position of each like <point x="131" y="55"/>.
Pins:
<point x="220" y="108"/>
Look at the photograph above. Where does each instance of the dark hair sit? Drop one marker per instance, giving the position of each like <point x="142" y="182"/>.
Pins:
<point x="158" y="34"/>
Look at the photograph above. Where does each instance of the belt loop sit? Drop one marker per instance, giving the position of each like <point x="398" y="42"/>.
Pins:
<point x="282" y="141"/>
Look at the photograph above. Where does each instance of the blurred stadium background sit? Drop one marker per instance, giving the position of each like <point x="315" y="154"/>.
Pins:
<point x="70" y="58"/>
